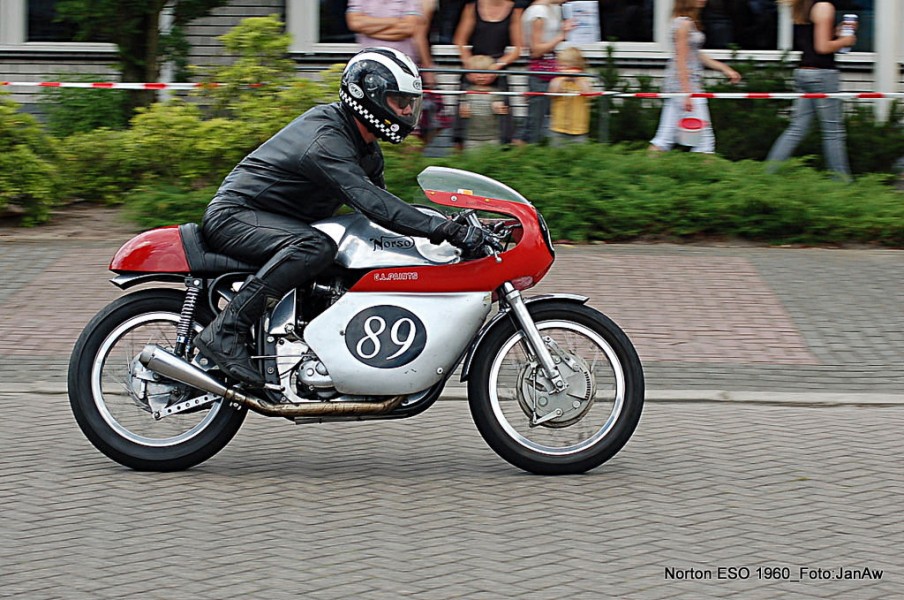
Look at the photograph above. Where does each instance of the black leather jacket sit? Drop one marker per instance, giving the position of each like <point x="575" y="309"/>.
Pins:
<point x="315" y="164"/>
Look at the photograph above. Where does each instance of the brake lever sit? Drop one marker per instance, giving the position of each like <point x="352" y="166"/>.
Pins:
<point x="494" y="249"/>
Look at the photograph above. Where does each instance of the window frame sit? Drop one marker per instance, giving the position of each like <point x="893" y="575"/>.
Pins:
<point x="14" y="30"/>
<point x="303" y="23"/>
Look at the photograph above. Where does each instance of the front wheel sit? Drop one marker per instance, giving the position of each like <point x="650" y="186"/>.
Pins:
<point x="113" y="396"/>
<point x="532" y="425"/>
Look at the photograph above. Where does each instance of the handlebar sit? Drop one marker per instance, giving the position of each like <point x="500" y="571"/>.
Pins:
<point x="469" y="216"/>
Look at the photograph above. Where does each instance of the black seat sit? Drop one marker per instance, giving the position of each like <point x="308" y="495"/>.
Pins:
<point x="202" y="261"/>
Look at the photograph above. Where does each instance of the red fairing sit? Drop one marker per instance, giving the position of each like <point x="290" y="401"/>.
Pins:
<point x="524" y="265"/>
<point x="155" y="251"/>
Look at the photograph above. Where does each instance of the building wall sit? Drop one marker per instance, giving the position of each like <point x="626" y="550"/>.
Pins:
<point x="25" y="62"/>
<point x="206" y="49"/>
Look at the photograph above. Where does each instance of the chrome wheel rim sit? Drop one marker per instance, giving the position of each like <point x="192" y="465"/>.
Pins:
<point x="595" y="423"/>
<point x="112" y="384"/>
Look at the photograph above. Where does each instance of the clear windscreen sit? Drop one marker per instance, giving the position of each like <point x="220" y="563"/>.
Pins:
<point x="444" y="179"/>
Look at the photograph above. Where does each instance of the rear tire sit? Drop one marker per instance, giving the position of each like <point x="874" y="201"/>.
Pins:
<point x="110" y="402"/>
<point x="514" y="407"/>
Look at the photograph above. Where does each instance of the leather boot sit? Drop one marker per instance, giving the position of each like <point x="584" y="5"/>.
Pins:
<point x="225" y="340"/>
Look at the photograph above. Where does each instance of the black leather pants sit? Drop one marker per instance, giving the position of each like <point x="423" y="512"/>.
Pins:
<point x="289" y="251"/>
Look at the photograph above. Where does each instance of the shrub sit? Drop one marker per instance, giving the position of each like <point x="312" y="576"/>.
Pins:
<point x="77" y="110"/>
<point x="98" y="166"/>
<point x="28" y="179"/>
<point x="155" y="206"/>
<point x="260" y="67"/>
<point x="596" y="192"/>
<point x="172" y="144"/>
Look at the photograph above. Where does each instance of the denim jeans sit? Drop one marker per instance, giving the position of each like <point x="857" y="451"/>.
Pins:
<point x="534" y="130"/>
<point x="831" y="120"/>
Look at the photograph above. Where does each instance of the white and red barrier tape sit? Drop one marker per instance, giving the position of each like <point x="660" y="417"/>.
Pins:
<point x="653" y="95"/>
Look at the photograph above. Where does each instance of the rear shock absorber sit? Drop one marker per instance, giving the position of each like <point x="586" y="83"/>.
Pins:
<point x="187" y="317"/>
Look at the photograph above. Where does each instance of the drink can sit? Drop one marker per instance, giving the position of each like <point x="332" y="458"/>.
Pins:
<point x="848" y="21"/>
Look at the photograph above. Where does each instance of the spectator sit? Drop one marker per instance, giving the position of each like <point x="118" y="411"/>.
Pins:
<point x="544" y="29"/>
<point x="432" y="110"/>
<point x="570" y="115"/>
<point x="385" y="23"/>
<point x="481" y="111"/>
<point x="684" y="74"/>
<point x="817" y="38"/>
<point x="491" y="28"/>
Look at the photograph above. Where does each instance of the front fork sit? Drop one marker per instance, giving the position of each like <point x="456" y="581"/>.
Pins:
<point x="535" y="342"/>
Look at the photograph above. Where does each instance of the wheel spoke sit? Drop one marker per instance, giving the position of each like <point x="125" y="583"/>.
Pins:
<point x="592" y="368"/>
<point x="122" y="398"/>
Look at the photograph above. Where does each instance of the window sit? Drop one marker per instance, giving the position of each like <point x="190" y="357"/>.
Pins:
<point x="332" y="22"/>
<point x="626" y="20"/>
<point x="745" y="24"/>
<point x="43" y="23"/>
<point x="728" y="24"/>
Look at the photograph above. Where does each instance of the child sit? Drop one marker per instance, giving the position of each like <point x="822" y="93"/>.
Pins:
<point x="569" y="115"/>
<point x="481" y="111"/>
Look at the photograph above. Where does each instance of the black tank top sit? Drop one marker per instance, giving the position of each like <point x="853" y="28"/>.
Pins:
<point x="490" y="38"/>
<point x="803" y="41"/>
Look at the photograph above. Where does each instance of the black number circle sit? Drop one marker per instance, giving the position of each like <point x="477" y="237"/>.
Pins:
<point x="385" y="337"/>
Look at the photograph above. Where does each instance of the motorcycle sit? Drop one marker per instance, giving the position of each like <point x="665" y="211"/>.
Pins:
<point x="554" y="386"/>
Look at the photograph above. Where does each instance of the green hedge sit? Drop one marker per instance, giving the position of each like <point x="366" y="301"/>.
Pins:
<point x="612" y="193"/>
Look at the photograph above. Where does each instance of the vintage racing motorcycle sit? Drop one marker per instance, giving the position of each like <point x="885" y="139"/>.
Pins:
<point x="554" y="386"/>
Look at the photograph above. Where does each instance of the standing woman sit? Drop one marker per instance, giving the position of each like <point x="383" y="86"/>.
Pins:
<point x="816" y="36"/>
<point x="491" y="28"/>
<point x="684" y="75"/>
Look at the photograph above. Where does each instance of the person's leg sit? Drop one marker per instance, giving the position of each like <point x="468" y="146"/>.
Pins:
<point x="668" y="123"/>
<point x="831" y="121"/>
<point x="291" y="251"/>
<point x="801" y="118"/>
<point x="537" y="107"/>
<point x="542" y="122"/>
<point x="459" y="125"/>
<point x="506" y="121"/>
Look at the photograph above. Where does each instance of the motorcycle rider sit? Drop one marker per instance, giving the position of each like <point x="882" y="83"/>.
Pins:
<point x="327" y="157"/>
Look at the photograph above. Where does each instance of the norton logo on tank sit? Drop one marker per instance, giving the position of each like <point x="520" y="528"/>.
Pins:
<point x="385" y="337"/>
<point x="390" y="243"/>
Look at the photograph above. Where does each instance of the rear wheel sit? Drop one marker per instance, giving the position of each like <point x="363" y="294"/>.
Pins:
<point x="529" y="423"/>
<point x="113" y="396"/>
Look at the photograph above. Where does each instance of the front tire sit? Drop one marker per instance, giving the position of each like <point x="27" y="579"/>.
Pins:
<point x="111" y="394"/>
<point x="521" y="416"/>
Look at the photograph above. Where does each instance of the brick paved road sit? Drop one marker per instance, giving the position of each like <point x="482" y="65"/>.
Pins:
<point x="423" y="508"/>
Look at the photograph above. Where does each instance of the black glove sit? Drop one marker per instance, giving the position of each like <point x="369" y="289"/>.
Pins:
<point x="466" y="237"/>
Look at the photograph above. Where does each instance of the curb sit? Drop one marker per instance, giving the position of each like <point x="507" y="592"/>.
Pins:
<point x="652" y="395"/>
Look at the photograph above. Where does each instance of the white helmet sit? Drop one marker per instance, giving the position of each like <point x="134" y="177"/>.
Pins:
<point x="380" y="85"/>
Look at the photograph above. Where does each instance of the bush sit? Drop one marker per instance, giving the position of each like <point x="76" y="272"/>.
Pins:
<point x="596" y="192"/>
<point x="167" y="205"/>
<point x="28" y="179"/>
<point x="77" y="110"/>
<point x="173" y="145"/>
<point x="180" y="146"/>
<point x="98" y="166"/>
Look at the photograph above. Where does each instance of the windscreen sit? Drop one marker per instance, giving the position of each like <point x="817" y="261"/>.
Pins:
<point x="444" y="179"/>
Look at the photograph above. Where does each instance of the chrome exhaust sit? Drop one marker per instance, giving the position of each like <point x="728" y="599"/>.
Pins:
<point x="169" y="365"/>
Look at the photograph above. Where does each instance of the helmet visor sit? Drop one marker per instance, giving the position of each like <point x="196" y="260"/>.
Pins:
<point x="406" y="107"/>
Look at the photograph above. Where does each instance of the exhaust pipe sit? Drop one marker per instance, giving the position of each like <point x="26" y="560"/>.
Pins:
<point x="169" y="365"/>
